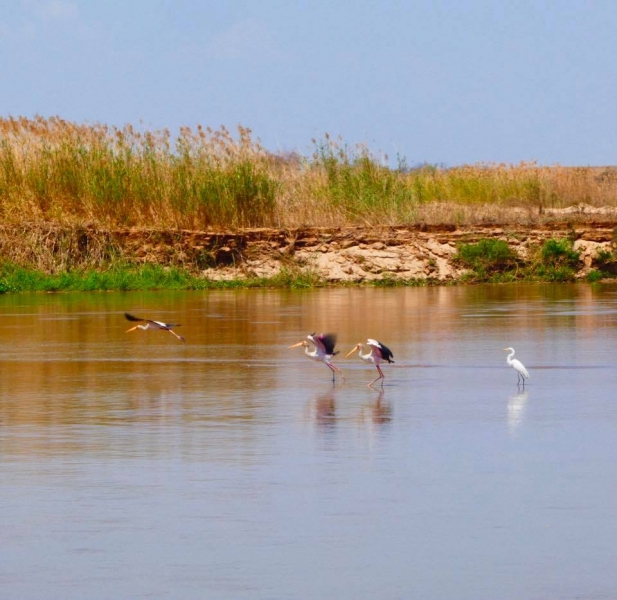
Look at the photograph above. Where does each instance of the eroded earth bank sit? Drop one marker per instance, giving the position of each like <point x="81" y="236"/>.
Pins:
<point x="367" y="254"/>
<point x="355" y="254"/>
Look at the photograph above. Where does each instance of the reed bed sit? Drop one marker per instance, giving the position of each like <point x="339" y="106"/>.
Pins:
<point x="56" y="171"/>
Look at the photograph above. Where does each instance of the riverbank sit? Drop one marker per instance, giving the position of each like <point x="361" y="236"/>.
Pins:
<point x="50" y="257"/>
<point x="95" y="207"/>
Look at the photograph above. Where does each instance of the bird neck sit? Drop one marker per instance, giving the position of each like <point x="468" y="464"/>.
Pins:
<point x="366" y="356"/>
<point x="310" y="353"/>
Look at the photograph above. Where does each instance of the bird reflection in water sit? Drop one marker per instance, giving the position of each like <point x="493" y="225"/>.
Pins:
<point x="324" y="409"/>
<point x="379" y="412"/>
<point x="516" y="410"/>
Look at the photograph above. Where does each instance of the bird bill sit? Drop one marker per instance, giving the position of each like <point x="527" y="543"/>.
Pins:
<point x="354" y="349"/>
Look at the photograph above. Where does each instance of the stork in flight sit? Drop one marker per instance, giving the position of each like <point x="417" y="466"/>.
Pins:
<point x="377" y="354"/>
<point x="149" y="324"/>
<point x="323" y="350"/>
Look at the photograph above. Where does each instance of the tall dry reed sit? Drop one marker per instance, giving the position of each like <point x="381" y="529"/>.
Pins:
<point x="57" y="171"/>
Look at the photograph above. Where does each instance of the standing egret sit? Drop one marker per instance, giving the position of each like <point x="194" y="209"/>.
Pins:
<point x="377" y="354"/>
<point x="323" y="350"/>
<point x="149" y="324"/>
<point x="517" y="365"/>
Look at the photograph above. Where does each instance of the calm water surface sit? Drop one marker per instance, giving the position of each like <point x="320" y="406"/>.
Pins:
<point x="135" y="466"/>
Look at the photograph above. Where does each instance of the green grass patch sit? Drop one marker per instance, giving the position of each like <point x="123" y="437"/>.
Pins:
<point x="15" y="278"/>
<point x="605" y="266"/>
<point x="595" y="275"/>
<point x="488" y="260"/>
<point x="555" y="261"/>
<point x="295" y="279"/>
<point x="390" y="281"/>
<point x="493" y="261"/>
<point x="603" y="258"/>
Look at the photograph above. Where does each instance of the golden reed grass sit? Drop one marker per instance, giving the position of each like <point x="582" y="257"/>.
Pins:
<point x="56" y="171"/>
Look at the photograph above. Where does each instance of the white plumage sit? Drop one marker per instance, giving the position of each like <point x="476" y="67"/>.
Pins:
<point x="323" y="350"/>
<point x="377" y="354"/>
<point x="518" y="366"/>
<point x="150" y="324"/>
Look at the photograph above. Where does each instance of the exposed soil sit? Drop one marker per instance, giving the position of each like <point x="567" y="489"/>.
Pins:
<point x="346" y="254"/>
<point x="362" y="254"/>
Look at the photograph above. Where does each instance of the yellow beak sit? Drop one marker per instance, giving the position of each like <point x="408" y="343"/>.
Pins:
<point x="352" y="351"/>
<point x="296" y="345"/>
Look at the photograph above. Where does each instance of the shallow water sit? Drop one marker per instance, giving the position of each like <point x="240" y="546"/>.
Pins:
<point x="135" y="466"/>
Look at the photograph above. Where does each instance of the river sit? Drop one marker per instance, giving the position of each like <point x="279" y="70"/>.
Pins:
<point x="230" y="466"/>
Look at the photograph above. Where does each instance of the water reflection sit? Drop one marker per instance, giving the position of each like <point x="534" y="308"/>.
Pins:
<point x="258" y="472"/>
<point x="381" y="410"/>
<point x="517" y="405"/>
<point x="324" y="409"/>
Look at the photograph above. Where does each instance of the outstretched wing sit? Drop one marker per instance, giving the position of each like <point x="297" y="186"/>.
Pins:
<point x="157" y="324"/>
<point x="327" y="342"/>
<point x="162" y="325"/>
<point x="386" y="353"/>
<point x="130" y="317"/>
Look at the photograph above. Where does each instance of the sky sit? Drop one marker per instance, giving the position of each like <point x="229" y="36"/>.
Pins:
<point x="447" y="82"/>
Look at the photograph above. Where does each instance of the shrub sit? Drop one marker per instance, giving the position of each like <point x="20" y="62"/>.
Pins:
<point x="556" y="261"/>
<point x="489" y="260"/>
<point x="559" y="253"/>
<point x="595" y="275"/>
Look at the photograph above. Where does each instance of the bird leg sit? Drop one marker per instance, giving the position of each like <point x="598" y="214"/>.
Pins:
<point x="380" y="376"/>
<point x="178" y="336"/>
<point x="334" y="370"/>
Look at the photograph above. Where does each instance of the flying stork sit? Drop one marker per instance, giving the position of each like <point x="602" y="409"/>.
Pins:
<point x="149" y="324"/>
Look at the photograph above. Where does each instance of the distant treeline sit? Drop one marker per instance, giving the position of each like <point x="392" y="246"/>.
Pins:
<point x="57" y="171"/>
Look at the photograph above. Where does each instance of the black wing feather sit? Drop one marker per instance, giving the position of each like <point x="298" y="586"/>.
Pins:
<point x="386" y="353"/>
<point x="329" y="341"/>
<point x="130" y="317"/>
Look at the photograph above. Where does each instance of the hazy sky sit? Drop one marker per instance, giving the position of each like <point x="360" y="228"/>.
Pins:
<point x="442" y="81"/>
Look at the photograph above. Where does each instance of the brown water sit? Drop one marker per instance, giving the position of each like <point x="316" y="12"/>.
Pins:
<point x="135" y="466"/>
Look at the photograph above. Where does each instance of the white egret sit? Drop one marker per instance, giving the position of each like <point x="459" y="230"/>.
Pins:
<point x="377" y="354"/>
<point x="149" y="324"/>
<point x="323" y="350"/>
<point x="517" y="365"/>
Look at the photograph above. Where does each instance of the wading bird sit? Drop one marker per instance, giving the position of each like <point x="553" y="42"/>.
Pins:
<point x="517" y="365"/>
<point x="149" y="324"/>
<point x="377" y="354"/>
<point x="323" y="350"/>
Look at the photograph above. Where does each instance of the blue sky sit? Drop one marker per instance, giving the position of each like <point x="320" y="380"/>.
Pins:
<point x="449" y="82"/>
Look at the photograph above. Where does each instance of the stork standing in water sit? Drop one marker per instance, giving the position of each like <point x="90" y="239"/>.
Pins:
<point x="323" y="350"/>
<point x="149" y="324"/>
<point x="377" y="354"/>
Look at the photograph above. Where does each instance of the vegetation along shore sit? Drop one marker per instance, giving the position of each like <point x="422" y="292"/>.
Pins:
<point x="91" y="207"/>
